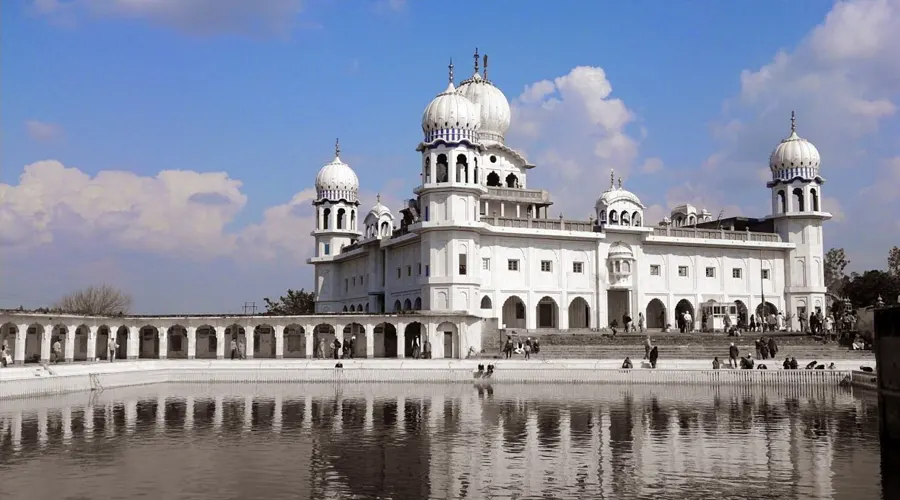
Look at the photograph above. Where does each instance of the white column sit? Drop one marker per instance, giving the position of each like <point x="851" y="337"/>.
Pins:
<point x="89" y="422"/>
<point x="277" y="415"/>
<point x="46" y="337"/>
<point x="220" y="407"/>
<point x="401" y="414"/>
<point x="279" y="341"/>
<point x="130" y="416"/>
<point x="19" y="351"/>
<point x="163" y="333"/>
<point x="67" y="424"/>
<point x="249" y="333"/>
<point x="192" y="343"/>
<point x="160" y="414"/>
<point x="69" y="347"/>
<point x="189" y="413"/>
<point x="248" y="413"/>
<point x="220" y="347"/>
<point x="401" y="340"/>
<point x="134" y="342"/>
<point x="17" y="431"/>
<point x="369" y="422"/>
<point x="370" y="340"/>
<point x="42" y="427"/>
<point x="310" y="348"/>
<point x="436" y="413"/>
<point x="92" y="343"/>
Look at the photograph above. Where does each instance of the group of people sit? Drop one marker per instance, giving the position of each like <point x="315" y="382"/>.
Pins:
<point x="337" y="349"/>
<point x="528" y="347"/>
<point x="651" y="354"/>
<point x="766" y="347"/>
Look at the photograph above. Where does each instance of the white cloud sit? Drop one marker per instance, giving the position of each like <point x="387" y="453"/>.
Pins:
<point x="176" y="213"/>
<point x="200" y="17"/>
<point x="886" y="188"/>
<point x="651" y="166"/>
<point x="575" y="132"/>
<point x="43" y="131"/>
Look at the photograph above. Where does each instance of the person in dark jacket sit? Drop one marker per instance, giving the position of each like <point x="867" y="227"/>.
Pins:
<point x="794" y="364"/>
<point x="337" y="348"/>
<point x="626" y="365"/>
<point x="346" y="346"/>
<point x="787" y="363"/>
<point x="716" y="363"/>
<point x="733" y="355"/>
<point x="773" y="347"/>
<point x="654" y="355"/>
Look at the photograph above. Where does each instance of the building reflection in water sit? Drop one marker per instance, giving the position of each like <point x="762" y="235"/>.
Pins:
<point x="404" y="441"/>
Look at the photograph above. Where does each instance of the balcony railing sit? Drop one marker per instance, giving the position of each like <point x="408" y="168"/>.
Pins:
<point x="550" y="224"/>
<point x="716" y="234"/>
<point x="532" y="195"/>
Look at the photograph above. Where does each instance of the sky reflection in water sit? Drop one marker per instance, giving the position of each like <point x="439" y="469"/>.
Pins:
<point x="178" y="442"/>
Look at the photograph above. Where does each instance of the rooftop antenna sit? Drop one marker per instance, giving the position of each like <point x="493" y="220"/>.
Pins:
<point x="337" y="147"/>
<point x="476" y="60"/>
<point x="450" y="67"/>
<point x="485" y="67"/>
<point x="793" y="122"/>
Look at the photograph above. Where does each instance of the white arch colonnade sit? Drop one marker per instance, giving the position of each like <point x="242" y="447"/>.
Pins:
<point x="29" y="337"/>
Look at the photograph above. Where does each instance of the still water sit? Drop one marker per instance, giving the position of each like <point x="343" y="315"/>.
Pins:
<point x="383" y="441"/>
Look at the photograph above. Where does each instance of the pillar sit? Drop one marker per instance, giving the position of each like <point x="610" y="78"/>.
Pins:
<point x="19" y="349"/>
<point x="134" y="342"/>
<point x="163" y="333"/>
<point x="192" y="344"/>
<point x="69" y="348"/>
<point x="279" y="342"/>
<point x="92" y="343"/>
<point x="220" y="352"/>
<point x="401" y="340"/>
<point x="46" y="334"/>
<point x="370" y="340"/>
<point x="310" y="348"/>
<point x="249" y="340"/>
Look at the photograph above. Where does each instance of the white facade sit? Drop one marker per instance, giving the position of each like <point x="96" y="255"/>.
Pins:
<point x="478" y="240"/>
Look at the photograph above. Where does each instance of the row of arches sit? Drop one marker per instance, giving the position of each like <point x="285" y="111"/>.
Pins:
<point x="656" y="316"/>
<point x="623" y="218"/>
<point x="356" y="308"/>
<point x="329" y="219"/>
<point x="382" y="229"/>
<point x="798" y="200"/>
<point x="408" y="305"/>
<point x="513" y="312"/>
<point x="465" y="173"/>
<point x="383" y="336"/>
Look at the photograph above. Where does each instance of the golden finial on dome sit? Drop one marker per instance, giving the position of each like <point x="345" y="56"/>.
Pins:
<point x="378" y="198"/>
<point x="612" y="178"/>
<point x="620" y="182"/>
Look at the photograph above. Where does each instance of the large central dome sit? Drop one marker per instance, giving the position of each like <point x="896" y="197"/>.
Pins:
<point x="494" y="113"/>
<point x="452" y="117"/>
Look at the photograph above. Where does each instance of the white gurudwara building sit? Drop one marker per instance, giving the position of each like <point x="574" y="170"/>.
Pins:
<point x="478" y="239"/>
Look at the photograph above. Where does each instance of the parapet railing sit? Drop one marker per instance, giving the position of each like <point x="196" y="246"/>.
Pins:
<point x="552" y="224"/>
<point x="716" y="234"/>
<point x="538" y="195"/>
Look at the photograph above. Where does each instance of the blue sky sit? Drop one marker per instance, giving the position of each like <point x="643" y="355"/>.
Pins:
<point x="238" y="103"/>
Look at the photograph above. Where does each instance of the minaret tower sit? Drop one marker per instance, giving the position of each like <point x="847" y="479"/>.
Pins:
<point x="337" y="199"/>
<point x="797" y="214"/>
<point x="449" y="198"/>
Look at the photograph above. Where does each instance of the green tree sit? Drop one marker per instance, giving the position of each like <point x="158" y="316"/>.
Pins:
<point x="864" y="289"/>
<point x="894" y="261"/>
<point x="95" y="300"/>
<point x="835" y="264"/>
<point x="295" y="303"/>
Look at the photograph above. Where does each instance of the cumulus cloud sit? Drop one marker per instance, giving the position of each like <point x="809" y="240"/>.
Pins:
<point x="43" y="131"/>
<point x="176" y="213"/>
<point x="651" y="166"/>
<point x="886" y="189"/>
<point x="575" y="131"/>
<point x="199" y="17"/>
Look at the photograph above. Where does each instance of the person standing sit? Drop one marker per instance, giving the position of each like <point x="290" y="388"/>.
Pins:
<point x="352" y="347"/>
<point x="641" y="321"/>
<point x="336" y="345"/>
<point x="647" y="346"/>
<point x="57" y="350"/>
<point x="654" y="355"/>
<point x="733" y="355"/>
<point x="242" y="349"/>
<point x="111" y="347"/>
<point x="688" y="322"/>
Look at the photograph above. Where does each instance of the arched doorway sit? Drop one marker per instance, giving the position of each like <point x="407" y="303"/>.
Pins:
<point x="8" y="332"/>
<point x="176" y="347"/>
<point x="101" y="343"/>
<point x="398" y="306"/>
<point x="513" y="313"/>
<point x="683" y="308"/>
<point x="407" y="305"/>
<point x="235" y="333"/>
<point x="59" y="333"/>
<point x="450" y="337"/>
<point x="413" y="339"/>
<point x="764" y="309"/>
<point x="547" y="313"/>
<point x="741" y="313"/>
<point x="207" y="342"/>
<point x="384" y="336"/>
<point x="294" y="339"/>
<point x="486" y="303"/>
<point x="417" y="305"/>
<point x="264" y="341"/>
<point x="579" y="313"/>
<point x="34" y="342"/>
<point x="493" y="180"/>
<point x="655" y="315"/>
<point x="148" y="342"/>
<point x="82" y="335"/>
<point x="323" y="341"/>
<point x="356" y="333"/>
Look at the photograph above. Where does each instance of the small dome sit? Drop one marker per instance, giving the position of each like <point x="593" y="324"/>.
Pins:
<point x="495" y="113"/>
<point x="614" y="194"/>
<point x="337" y="181"/>
<point x="452" y="117"/>
<point x="619" y="250"/>
<point x="378" y="210"/>
<point x="794" y="157"/>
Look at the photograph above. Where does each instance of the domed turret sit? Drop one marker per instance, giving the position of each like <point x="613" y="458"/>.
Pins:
<point x="380" y="221"/>
<point x="494" y="107"/>
<point x="794" y="158"/>
<point x="618" y="206"/>
<point x="337" y="181"/>
<point x="451" y="116"/>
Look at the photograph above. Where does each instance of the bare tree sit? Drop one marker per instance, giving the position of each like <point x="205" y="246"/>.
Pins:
<point x="96" y="300"/>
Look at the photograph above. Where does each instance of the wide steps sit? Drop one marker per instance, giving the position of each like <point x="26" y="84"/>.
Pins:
<point x="693" y="352"/>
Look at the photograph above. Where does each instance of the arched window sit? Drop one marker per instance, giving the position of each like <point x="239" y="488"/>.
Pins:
<point x="613" y="217"/>
<point x="512" y="181"/>
<point x="352" y="308"/>
<point x="427" y="170"/>
<point x="601" y="216"/>
<point x="625" y="219"/>
<point x="462" y="168"/>
<point x="493" y="180"/>
<point x="326" y="217"/>
<point x="475" y="179"/>
<point x="636" y="218"/>
<point x="798" y="200"/>
<point x="352" y="219"/>
<point x="340" y="218"/>
<point x="782" y="202"/>
<point x="814" y="198"/>
<point x="442" y="168"/>
<point x="385" y="229"/>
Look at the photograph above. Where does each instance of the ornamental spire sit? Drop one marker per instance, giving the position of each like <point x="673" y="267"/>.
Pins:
<point x="620" y="182"/>
<point x="378" y="198"/>
<point x="337" y="147"/>
<point x="485" y="67"/>
<point x="476" y="60"/>
<point x="612" y="178"/>
<point x="793" y="122"/>
<point x="450" y="67"/>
